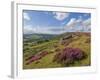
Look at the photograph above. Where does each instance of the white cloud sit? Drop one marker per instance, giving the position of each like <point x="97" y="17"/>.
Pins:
<point x="43" y="30"/>
<point x="78" y="24"/>
<point x="28" y="29"/>
<point x="26" y="16"/>
<point x="60" y="15"/>
<point x="71" y="22"/>
<point x="79" y="20"/>
<point x="87" y="22"/>
<point x="72" y="26"/>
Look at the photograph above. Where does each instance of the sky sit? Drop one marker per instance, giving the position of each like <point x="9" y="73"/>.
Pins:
<point x="52" y="22"/>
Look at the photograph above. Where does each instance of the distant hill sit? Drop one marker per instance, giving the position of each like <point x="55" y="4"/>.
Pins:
<point x="34" y="37"/>
<point x="38" y="37"/>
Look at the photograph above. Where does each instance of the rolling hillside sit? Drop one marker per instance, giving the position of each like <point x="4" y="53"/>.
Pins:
<point x="39" y="50"/>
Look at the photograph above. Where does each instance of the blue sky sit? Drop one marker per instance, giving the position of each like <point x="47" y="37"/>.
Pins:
<point x="50" y="22"/>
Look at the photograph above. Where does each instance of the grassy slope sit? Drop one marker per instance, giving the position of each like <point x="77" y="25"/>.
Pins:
<point x="46" y="62"/>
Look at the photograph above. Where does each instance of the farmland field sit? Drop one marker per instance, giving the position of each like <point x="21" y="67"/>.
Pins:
<point x="40" y="50"/>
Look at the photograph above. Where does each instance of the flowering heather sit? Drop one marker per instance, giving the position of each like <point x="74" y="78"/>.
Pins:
<point x="36" y="57"/>
<point x="69" y="55"/>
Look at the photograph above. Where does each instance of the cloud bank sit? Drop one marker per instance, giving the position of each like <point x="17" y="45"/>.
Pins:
<point x="75" y="23"/>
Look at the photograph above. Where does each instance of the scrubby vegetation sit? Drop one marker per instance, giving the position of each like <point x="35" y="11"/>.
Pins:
<point x="35" y="57"/>
<point x="50" y="51"/>
<point x="69" y="56"/>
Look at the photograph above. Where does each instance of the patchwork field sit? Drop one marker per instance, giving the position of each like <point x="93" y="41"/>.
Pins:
<point x="49" y="51"/>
